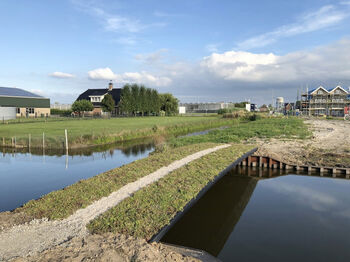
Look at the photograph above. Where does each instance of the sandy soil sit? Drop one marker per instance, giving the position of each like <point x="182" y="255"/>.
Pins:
<point x="329" y="145"/>
<point x="107" y="247"/>
<point x="40" y="235"/>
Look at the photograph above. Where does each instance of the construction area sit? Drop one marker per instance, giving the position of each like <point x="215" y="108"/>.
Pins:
<point x="325" y="102"/>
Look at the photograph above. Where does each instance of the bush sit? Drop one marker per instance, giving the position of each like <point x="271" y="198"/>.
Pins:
<point x="60" y="112"/>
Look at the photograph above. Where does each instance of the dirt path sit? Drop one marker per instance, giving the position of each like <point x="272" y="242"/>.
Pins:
<point x="39" y="235"/>
<point x="329" y="145"/>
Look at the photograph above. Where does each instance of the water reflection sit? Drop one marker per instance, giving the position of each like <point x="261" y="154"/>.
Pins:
<point x="269" y="216"/>
<point x="28" y="175"/>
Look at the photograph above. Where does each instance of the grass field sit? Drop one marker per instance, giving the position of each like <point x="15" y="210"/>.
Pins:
<point x="103" y="131"/>
<point x="284" y="128"/>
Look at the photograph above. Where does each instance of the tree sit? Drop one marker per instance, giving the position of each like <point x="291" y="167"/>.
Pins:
<point x="135" y="106"/>
<point x="108" y="103"/>
<point x="81" y="106"/>
<point x="155" y="101"/>
<point x="126" y="99"/>
<point x="169" y="104"/>
<point x="148" y="102"/>
<point x="142" y="99"/>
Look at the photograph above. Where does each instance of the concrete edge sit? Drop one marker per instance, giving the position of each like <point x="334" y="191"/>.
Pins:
<point x="158" y="236"/>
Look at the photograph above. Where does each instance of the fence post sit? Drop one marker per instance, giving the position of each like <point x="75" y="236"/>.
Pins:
<point x="29" y="141"/>
<point x="11" y="141"/>
<point x="3" y="141"/>
<point x="43" y="140"/>
<point x="66" y="136"/>
<point x="15" y="142"/>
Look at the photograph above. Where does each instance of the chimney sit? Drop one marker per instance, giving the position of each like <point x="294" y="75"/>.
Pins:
<point x="110" y="86"/>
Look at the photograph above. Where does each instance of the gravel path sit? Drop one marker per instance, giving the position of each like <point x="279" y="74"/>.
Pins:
<point x="39" y="235"/>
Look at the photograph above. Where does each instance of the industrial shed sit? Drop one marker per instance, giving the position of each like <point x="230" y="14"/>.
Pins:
<point x="16" y="102"/>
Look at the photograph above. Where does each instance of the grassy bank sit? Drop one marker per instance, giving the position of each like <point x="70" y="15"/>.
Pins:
<point x="103" y="131"/>
<point x="284" y="128"/>
<point x="62" y="203"/>
<point x="151" y="208"/>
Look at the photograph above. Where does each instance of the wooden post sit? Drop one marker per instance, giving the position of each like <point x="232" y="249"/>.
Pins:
<point x="66" y="135"/>
<point x="15" y="142"/>
<point x="29" y="140"/>
<point x="12" y="141"/>
<point x="3" y="141"/>
<point x="43" y="140"/>
<point x="260" y="161"/>
<point x="249" y="160"/>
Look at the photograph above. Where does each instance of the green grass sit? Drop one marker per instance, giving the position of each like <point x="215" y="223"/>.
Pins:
<point x="153" y="207"/>
<point x="286" y="128"/>
<point x="62" y="203"/>
<point x="103" y="131"/>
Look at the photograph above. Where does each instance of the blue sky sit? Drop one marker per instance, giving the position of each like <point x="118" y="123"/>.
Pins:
<point x="198" y="50"/>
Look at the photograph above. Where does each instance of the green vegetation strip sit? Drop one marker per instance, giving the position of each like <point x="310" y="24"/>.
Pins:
<point x="153" y="207"/>
<point x="104" y="131"/>
<point x="255" y="127"/>
<point x="62" y="203"/>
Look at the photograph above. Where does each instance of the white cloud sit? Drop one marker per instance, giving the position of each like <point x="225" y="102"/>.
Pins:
<point x="114" y="22"/>
<point x="317" y="200"/>
<point x="102" y="73"/>
<point x="61" y="75"/>
<point x="324" y="17"/>
<point x="234" y="76"/>
<point x="238" y="65"/>
<point x="323" y="63"/>
<point x="212" y="48"/>
<point x="152" y="57"/>
<point x="129" y="77"/>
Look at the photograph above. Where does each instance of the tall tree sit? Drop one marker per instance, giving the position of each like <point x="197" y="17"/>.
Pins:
<point x="148" y="104"/>
<point x="169" y="104"/>
<point x="155" y="102"/>
<point x="135" y="90"/>
<point x="126" y="100"/>
<point x="142" y="99"/>
<point x="108" y="103"/>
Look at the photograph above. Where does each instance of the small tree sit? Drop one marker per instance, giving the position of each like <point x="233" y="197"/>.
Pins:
<point x="81" y="106"/>
<point x="108" y="103"/>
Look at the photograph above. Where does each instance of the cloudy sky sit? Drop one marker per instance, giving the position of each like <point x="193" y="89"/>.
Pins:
<point x="199" y="50"/>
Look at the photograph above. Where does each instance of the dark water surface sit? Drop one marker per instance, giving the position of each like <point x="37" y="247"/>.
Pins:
<point x="276" y="218"/>
<point x="25" y="176"/>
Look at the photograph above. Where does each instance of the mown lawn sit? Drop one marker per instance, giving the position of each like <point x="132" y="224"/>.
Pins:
<point x="101" y="131"/>
<point x="153" y="207"/>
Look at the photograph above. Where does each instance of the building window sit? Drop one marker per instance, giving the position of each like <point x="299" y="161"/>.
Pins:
<point x="18" y="110"/>
<point x="30" y="110"/>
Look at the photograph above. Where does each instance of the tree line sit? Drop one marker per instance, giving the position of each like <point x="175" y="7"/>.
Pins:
<point x="138" y="99"/>
<point x="134" y="100"/>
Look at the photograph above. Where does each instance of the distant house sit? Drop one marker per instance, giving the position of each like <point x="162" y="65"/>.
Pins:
<point x="96" y="96"/>
<point x="16" y="102"/>
<point x="264" y="108"/>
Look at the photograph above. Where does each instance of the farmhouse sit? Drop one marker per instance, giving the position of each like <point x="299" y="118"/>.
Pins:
<point x="96" y="96"/>
<point x="16" y="102"/>
<point x="323" y="101"/>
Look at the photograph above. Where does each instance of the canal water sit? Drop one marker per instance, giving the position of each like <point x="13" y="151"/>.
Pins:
<point x="25" y="176"/>
<point x="274" y="217"/>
